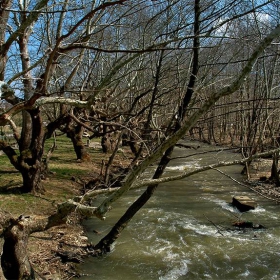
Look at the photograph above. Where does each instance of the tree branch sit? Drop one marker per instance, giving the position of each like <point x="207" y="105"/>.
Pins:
<point x="150" y="182"/>
<point x="33" y="16"/>
<point x="188" y="123"/>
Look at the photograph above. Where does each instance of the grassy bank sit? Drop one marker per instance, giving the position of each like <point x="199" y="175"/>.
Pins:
<point x="64" y="181"/>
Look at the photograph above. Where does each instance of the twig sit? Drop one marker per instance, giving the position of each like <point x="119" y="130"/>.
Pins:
<point x="218" y="229"/>
<point x="247" y="186"/>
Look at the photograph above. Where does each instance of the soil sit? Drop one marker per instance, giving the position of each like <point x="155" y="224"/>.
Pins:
<point x="46" y="246"/>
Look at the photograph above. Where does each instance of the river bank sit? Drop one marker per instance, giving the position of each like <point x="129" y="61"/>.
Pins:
<point x="184" y="231"/>
<point x="46" y="248"/>
<point x="66" y="180"/>
<point x="72" y="237"/>
<point x="259" y="182"/>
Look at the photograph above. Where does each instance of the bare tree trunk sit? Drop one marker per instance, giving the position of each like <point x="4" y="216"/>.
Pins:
<point x="14" y="260"/>
<point x="80" y="148"/>
<point x="110" y="161"/>
<point x="274" y="170"/>
<point x="32" y="179"/>
<point x="76" y="136"/>
<point x="50" y="152"/>
<point x="104" y="244"/>
<point x="4" y="15"/>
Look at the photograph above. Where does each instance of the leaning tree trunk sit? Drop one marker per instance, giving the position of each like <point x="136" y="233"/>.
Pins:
<point x="104" y="245"/>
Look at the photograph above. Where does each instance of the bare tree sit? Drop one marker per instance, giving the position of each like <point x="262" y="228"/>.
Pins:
<point x="115" y="68"/>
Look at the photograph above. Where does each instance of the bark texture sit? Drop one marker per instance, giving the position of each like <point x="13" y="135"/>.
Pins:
<point x="14" y="260"/>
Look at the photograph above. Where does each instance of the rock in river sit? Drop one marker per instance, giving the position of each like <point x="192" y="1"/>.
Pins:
<point x="243" y="203"/>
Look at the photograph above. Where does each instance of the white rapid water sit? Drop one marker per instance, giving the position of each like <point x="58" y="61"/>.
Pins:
<point x="183" y="232"/>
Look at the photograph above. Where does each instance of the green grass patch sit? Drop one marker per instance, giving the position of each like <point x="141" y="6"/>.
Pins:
<point x="59" y="185"/>
<point x="27" y="204"/>
<point x="67" y="171"/>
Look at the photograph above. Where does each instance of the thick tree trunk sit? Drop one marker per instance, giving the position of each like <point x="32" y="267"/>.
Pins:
<point x="31" y="170"/>
<point x="105" y="144"/>
<point x="76" y="136"/>
<point x="109" y="141"/>
<point x="130" y="141"/>
<point x="109" y="138"/>
<point x="105" y="141"/>
<point x="274" y="170"/>
<point x="14" y="260"/>
<point x="133" y="147"/>
<point x="79" y="148"/>
<point x="32" y="179"/>
<point x="30" y="161"/>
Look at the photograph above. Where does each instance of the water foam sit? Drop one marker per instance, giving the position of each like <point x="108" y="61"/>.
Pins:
<point x="189" y="165"/>
<point x="176" y="272"/>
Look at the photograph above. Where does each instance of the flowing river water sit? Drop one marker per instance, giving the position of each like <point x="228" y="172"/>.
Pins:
<point x="175" y="235"/>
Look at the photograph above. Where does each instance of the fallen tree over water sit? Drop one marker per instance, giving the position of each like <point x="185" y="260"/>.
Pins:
<point x="16" y="231"/>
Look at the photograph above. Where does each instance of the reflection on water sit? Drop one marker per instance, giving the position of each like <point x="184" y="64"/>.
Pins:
<point x="175" y="236"/>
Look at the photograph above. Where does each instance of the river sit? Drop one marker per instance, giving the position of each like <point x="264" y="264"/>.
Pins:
<point x="175" y="236"/>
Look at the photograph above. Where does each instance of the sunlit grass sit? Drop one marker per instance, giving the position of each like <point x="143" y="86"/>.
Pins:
<point x="64" y="180"/>
<point x="59" y="184"/>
